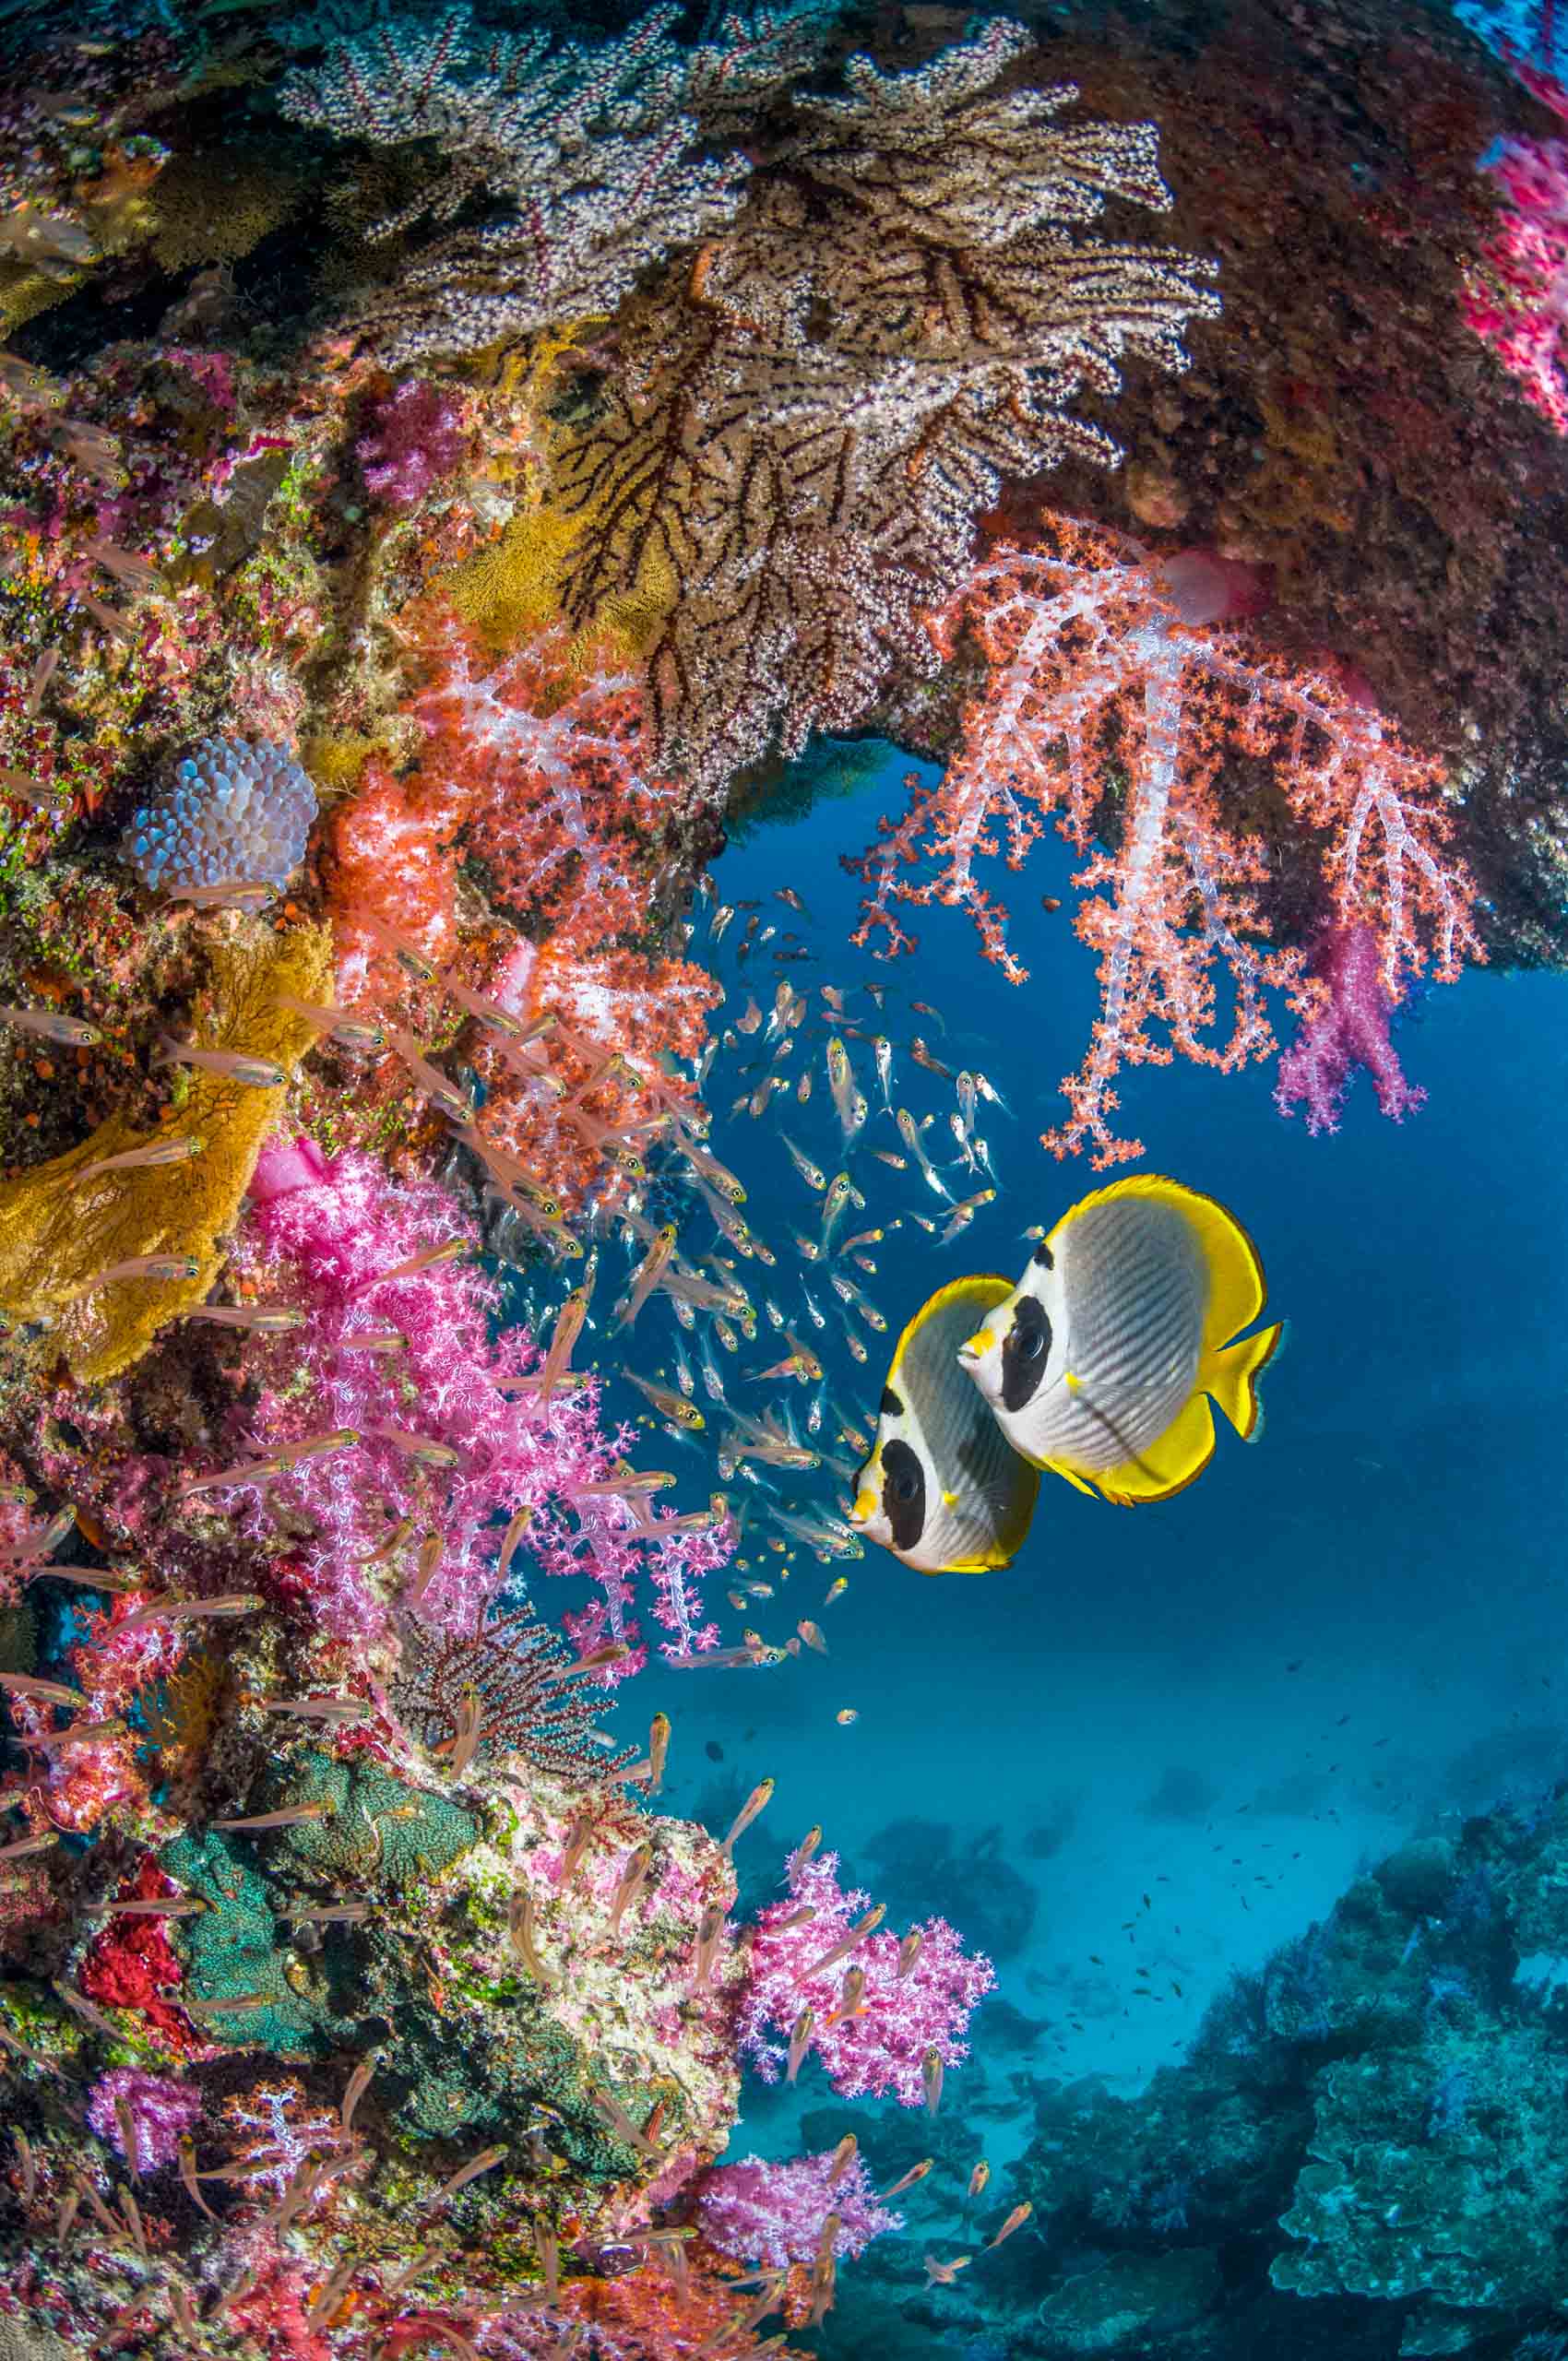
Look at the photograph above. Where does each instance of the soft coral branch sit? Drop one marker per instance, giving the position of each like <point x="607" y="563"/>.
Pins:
<point x="1110" y="705"/>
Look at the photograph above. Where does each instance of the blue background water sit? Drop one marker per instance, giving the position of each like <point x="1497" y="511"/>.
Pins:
<point x="1224" y="1702"/>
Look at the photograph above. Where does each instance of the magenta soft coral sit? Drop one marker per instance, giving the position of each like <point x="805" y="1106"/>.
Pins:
<point x="879" y="2049"/>
<point x="445" y="1439"/>
<point x="773" y="2212"/>
<point x="1517" y="302"/>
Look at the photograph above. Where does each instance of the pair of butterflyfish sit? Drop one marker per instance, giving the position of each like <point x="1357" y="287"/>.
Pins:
<point x="1099" y="1366"/>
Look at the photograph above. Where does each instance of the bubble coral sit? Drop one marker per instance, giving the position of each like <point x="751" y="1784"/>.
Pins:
<point x="234" y="809"/>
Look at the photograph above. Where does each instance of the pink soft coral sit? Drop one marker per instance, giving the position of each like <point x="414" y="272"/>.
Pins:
<point x="772" y="2214"/>
<point x="161" y="2110"/>
<point x="881" y="2048"/>
<point x="318" y="1239"/>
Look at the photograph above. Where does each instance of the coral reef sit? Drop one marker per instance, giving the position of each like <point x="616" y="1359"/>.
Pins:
<point x="365" y="737"/>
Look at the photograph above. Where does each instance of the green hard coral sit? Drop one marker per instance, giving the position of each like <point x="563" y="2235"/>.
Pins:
<point x="239" y="1947"/>
<point x="376" y="1829"/>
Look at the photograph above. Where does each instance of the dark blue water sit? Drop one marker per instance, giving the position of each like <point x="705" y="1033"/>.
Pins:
<point x="1345" y="1632"/>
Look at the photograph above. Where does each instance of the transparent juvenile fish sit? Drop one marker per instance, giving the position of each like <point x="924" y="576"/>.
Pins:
<point x="713" y="1382"/>
<point x="448" y="1251"/>
<point x="717" y="1176"/>
<point x="228" y="893"/>
<point x="726" y="1335"/>
<point x="923" y="1057"/>
<point x="179" y="1149"/>
<point x="562" y="1336"/>
<point x="137" y="573"/>
<point x="848" y="1101"/>
<point x="812" y="1174"/>
<point x="755" y="1803"/>
<point x="750" y="1018"/>
<point x="646" y="1276"/>
<point x="667" y="1403"/>
<point x="43" y="672"/>
<point x="882" y="1050"/>
<point x="961" y="1139"/>
<point x="886" y="1156"/>
<point x="426" y="1449"/>
<point x="908" y="1131"/>
<point x="428" y="1080"/>
<point x="408" y="955"/>
<point x="165" y="1267"/>
<point x="168" y="1611"/>
<point x="352" y="1032"/>
<point x="841" y="1194"/>
<point x="964" y="1213"/>
<point x="719" y="920"/>
<point x="855" y="1343"/>
<point x="24" y="788"/>
<point x="48" y="1025"/>
<point x="964" y="1089"/>
<point x="231" y="1066"/>
<point x="814" y="1313"/>
<point x="265" y="1319"/>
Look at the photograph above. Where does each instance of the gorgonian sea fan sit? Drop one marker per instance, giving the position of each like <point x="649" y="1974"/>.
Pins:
<point x="440" y="1443"/>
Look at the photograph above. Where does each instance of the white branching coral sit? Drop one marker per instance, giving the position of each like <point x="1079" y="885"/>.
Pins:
<point x="590" y="151"/>
<point x="802" y="428"/>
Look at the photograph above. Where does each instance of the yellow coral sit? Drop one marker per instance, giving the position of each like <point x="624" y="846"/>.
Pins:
<point x="54" y="1238"/>
<point x="217" y="206"/>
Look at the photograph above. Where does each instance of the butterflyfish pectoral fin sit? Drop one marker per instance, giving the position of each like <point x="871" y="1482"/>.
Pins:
<point x="1171" y="1463"/>
<point x="1231" y="1376"/>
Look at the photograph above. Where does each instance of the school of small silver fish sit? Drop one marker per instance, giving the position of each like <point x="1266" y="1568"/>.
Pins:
<point x="757" y="1338"/>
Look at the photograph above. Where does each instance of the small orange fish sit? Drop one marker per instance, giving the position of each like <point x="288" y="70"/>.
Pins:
<point x="1015" y="2221"/>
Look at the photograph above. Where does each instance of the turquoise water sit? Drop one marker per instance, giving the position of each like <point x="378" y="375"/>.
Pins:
<point x="1344" y="1633"/>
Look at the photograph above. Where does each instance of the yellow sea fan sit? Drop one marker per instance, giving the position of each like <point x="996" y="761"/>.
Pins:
<point x="54" y="1236"/>
<point x="215" y="207"/>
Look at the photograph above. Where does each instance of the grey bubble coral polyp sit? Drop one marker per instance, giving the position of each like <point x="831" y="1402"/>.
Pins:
<point x="236" y="809"/>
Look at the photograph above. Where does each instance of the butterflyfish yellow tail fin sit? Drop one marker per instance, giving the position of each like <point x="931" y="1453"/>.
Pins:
<point x="1231" y="1376"/>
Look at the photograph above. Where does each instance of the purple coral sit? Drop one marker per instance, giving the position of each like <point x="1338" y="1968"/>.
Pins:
<point x="880" y="2047"/>
<point x="1348" y="1031"/>
<point x="161" y="2112"/>
<point x="772" y="2214"/>
<point x="414" y="440"/>
<point x="445" y="1436"/>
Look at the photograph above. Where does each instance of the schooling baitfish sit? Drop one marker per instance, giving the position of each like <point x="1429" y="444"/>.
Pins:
<point x="1101" y="1364"/>
<point x="942" y="1488"/>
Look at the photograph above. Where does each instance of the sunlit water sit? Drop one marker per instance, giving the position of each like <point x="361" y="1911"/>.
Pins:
<point x="1344" y="1633"/>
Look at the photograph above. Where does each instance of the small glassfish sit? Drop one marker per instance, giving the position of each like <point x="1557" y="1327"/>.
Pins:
<point x="428" y="1080"/>
<point x="647" y="1274"/>
<point x="719" y="920"/>
<point x="408" y="955"/>
<point x="841" y="1194"/>
<point x="50" y="1026"/>
<point x="231" y="1066"/>
<point x="165" y="1267"/>
<point x="667" y="1403"/>
<point x="811" y="1634"/>
<point x="837" y="1588"/>
<point x="804" y="1087"/>
<point x="352" y="1032"/>
<point x="228" y="893"/>
<point x="886" y="1156"/>
<point x="923" y="1057"/>
<point x="812" y="1174"/>
<point x="176" y="1150"/>
<point x="848" y="1101"/>
<point x="909" y="1133"/>
<point x="448" y="1251"/>
<point x="37" y="792"/>
<point x="844" y="1716"/>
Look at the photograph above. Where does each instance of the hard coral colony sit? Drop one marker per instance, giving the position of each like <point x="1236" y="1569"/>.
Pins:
<point x="446" y="471"/>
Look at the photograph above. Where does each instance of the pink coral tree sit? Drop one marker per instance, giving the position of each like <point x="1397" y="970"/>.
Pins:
<point x="442" y="1434"/>
<point x="766" y="2213"/>
<point x="1108" y="686"/>
<point x="880" y="2047"/>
